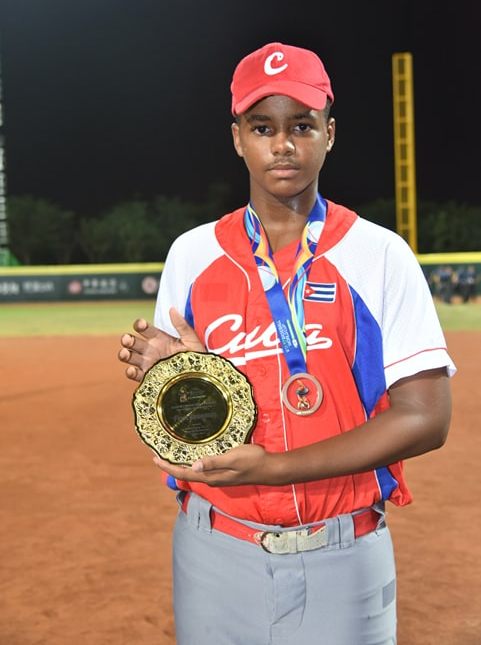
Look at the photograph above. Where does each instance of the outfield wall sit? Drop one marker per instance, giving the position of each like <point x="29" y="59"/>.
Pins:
<point x="79" y="282"/>
<point x="136" y="281"/>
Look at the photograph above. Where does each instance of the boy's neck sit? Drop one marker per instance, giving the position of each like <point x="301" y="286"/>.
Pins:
<point x="283" y="221"/>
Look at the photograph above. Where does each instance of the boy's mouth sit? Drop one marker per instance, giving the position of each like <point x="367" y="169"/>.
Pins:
<point x="283" y="169"/>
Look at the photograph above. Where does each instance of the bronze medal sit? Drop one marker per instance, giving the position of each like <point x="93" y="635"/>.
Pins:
<point x="302" y="394"/>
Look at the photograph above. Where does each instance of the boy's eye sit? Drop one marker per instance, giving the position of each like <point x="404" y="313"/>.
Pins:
<point x="303" y="127"/>
<point x="261" y="129"/>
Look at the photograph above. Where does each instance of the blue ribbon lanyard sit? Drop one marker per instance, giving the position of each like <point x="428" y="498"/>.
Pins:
<point x="287" y="312"/>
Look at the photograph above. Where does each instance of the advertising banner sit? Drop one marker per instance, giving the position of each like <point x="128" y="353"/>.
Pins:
<point x="101" y="282"/>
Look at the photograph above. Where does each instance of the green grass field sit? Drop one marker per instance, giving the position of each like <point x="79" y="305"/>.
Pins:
<point x="460" y="317"/>
<point x="72" y="319"/>
<point x="113" y="317"/>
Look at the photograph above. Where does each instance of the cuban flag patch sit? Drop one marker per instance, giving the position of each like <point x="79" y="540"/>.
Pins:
<point x="320" y="292"/>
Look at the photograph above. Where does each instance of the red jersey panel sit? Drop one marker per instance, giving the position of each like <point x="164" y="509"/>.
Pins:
<point x="211" y="275"/>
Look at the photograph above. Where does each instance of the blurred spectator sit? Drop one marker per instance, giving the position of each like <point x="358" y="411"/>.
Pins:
<point x="443" y="283"/>
<point x="466" y="283"/>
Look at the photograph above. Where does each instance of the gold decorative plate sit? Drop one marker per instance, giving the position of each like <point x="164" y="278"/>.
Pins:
<point x="194" y="404"/>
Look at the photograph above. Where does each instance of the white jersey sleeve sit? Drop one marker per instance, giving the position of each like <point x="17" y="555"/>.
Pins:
<point x="188" y="256"/>
<point x="413" y="340"/>
<point x="379" y="265"/>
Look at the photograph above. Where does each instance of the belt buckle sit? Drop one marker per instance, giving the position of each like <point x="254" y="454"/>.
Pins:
<point x="262" y="536"/>
<point x="296" y="541"/>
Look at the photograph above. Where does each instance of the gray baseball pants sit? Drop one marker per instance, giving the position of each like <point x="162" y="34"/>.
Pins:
<point x="229" y="591"/>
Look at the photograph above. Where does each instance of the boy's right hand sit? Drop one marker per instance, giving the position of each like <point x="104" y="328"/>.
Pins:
<point x="152" y="344"/>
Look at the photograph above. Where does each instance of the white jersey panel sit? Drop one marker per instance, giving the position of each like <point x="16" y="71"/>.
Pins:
<point x="189" y="255"/>
<point x="379" y="265"/>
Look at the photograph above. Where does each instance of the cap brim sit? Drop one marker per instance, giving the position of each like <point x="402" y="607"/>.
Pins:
<point x="309" y="96"/>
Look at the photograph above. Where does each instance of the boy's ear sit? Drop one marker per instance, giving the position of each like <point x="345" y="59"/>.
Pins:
<point x="331" y="134"/>
<point x="236" y="139"/>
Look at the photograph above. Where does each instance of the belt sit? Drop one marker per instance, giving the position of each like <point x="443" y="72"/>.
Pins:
<point x="291" y="540"/>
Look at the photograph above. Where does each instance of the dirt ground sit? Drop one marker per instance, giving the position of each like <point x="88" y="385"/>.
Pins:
<point x="85" y="523"/>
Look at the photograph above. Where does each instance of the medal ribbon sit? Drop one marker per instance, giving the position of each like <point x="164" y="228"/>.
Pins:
<point x="287" y="311"/>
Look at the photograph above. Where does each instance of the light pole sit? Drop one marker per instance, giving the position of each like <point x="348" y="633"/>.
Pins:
<point x="404" y="148"/>
<point x="4" y="250"/>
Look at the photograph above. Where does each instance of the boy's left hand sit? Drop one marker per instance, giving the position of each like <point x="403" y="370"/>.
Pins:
<point x="248" y="464"/>
<point x="151" y="344"/>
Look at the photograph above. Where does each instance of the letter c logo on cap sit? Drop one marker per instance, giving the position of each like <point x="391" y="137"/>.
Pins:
<point x="272" y="71"/>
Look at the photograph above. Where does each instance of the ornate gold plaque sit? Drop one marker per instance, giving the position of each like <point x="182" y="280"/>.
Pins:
<point x="193" y="404"/>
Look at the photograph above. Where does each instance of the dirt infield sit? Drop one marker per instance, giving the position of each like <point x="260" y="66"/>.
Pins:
<point x="85" y="528"/>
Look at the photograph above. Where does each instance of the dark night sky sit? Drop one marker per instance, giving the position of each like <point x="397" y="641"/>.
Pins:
<point x="105" y="100"/>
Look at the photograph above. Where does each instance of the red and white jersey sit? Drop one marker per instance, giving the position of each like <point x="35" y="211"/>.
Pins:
<point x="369" y="319"/>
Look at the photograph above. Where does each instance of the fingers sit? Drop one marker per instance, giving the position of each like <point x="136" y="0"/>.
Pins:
<point x="140" y="325"/>
<point x="198" y="466"/>
<point x="124" y="355"/>
<point x="146" y="329"/>
<point x="134" y="374"/>
<point x="127" y="340"/>
<point x="152" y="342"/>
<point x="139" y="351"/>
<point x="214" y="474"/>
<point x="131" y="345"/>
<point x="187" y="334"/>
<point x="134" y="370"/>
<point x="149" y="344"/>
<point x="134" y="359"/>
<point x="132" y="350"/>
<point x="184" y="473"/>
<point x="149" y="333"/>
<point x="207" y="464"/>
<point x="178" y="320"/>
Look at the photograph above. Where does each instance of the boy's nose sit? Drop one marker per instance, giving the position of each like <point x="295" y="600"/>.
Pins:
<point x="282" y="144"/>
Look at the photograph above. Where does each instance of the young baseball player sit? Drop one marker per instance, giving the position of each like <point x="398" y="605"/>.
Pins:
<point x="284" y="539"/>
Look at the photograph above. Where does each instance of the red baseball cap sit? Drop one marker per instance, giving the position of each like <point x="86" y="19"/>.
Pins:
<point x="280" y="69"/>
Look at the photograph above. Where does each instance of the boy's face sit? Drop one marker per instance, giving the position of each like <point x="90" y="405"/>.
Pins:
<point x="284" y="144"/>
